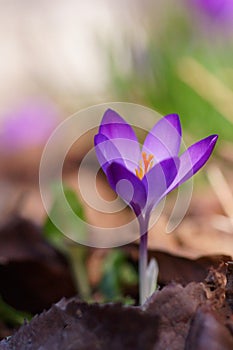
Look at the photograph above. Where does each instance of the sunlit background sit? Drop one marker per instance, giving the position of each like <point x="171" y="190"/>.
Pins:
<point x="59" y="57"/>
<point x="170" y="55"/>
<point x="174" y="56"/>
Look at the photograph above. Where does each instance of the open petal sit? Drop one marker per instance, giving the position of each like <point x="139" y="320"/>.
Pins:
<point x="158" y="179"/>
<point x="163" y="141"/>
<point x="193" y="159"/>
<point x="106" y="151"/>
<point x="116" y="129"/>
<point x="127" y="186"/>
<point x="114" y="126"/>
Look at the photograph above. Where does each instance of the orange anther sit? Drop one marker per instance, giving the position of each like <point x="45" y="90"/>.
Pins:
<point x="144" y="165"/>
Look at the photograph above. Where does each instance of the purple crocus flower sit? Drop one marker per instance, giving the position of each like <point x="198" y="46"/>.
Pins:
<point x="221" y="10"/>
<point x="28" y="125"/>
<point x="142" y="177"/>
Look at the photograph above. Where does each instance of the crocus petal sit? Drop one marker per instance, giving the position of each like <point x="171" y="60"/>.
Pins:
<point x="127" y="186"/>
<point x="114" y="126"/>
<point x="106" y="151"/>
<point x="116" y="129"/>
<point x="163" y="141"/>
<point x="158" y="179"/>
<point x="193" y="159"/>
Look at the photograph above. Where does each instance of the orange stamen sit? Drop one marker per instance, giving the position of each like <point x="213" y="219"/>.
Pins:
<point x="144" y="165"/>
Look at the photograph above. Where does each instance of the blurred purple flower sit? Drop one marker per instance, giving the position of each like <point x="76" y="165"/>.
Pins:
<point x="28" y="125"/>
<point x="143" y="177"/>
<point x="216" y="9"/>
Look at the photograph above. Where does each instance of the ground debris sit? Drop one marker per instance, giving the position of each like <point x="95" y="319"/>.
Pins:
<point x="31" y="270"/>
<point x="76" y="325"/>
<point x="175" y="318"/>
<point x="207" y="330"/>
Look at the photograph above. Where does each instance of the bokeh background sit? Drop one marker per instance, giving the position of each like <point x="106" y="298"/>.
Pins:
<point x="172" y="55"/>
<point x="57" y="57"/>
<point x="60" y="57"/>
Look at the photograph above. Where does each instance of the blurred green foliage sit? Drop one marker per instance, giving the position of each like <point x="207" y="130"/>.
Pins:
<point x="51" y="231"/>
<point x="117" y="272"/>
<point x="76" y="253"/>
<point x="154" y="78"/>
<point x="11" y="316"/>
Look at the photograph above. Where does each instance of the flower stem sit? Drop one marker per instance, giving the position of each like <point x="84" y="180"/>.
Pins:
<point x="142" y="267"/>
<point x="143" y="261"/>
